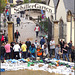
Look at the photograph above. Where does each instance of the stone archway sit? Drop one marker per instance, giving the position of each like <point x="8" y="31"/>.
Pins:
<point x="48" y="10"/>
<point x="28" y="6"/>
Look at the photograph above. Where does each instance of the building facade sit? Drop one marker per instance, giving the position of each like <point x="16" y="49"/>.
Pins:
<point x="64" y="13"/>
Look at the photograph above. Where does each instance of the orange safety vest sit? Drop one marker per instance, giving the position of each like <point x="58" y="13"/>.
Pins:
<point x="39" y="53"/>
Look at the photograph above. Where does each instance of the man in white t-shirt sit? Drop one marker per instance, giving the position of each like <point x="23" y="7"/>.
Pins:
<point x="16" y="49"/>
<point x="52" y="47"/>
<point x="37" y="29"/>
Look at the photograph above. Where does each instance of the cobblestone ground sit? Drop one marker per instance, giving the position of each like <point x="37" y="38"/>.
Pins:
<point x="26" y="28"/>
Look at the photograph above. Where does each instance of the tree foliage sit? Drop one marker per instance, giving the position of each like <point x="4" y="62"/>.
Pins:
<point x="26" y="1"/>
<point x="32" y="1"/>
<point x="2" y="5"/>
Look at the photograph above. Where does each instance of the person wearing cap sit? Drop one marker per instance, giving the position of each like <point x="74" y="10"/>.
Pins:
<point x="52" y="47"/>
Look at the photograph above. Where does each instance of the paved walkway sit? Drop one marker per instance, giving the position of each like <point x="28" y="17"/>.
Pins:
<point x="26" y="28"/>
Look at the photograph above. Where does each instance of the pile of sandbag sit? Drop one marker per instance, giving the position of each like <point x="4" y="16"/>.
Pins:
<point x="49" y="65"/>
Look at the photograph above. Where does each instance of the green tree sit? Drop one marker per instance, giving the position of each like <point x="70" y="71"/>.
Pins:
<point x="2" y="8"/>
<point x="35" y="1"/>
<point x="2" y="5"/>
<point x="32" y="1"/>
<point x="26" y="1"/>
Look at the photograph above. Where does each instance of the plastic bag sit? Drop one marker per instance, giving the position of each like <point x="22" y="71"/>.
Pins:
<point x="2" y="70"/>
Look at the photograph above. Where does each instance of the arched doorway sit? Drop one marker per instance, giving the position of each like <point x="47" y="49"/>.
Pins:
<point x="28" y="6"/>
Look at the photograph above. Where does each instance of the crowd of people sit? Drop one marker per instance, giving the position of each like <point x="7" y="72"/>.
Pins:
<point x="17" y="50"/>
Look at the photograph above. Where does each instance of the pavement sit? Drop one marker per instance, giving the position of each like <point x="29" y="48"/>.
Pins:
<point x="26" y="28"/>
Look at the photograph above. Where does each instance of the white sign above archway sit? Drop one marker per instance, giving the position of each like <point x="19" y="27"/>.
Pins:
<point x="34" y="6"/>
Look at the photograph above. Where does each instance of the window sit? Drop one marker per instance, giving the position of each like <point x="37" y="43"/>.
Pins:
<point x="69" y="14"/>
<point x="11" y="1"/>
<point x="61" y="29"/>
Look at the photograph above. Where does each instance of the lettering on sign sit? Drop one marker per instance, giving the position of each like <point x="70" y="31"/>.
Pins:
<point x="33" y="6"/>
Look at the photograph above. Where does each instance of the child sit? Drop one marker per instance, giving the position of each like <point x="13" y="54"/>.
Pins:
<point x="39" y="52"/>
<point x="57" y="50"/>
<point x="73" y="54"/>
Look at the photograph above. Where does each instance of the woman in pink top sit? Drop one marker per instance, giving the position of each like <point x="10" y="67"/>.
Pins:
<point x="7" y="49"/>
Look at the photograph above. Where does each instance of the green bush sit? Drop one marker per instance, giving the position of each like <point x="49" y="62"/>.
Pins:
<point x="32" y="1"/>
<point x="45" y="23"/>
<point x="2" y="6"/>
<point x="11" y="5"/>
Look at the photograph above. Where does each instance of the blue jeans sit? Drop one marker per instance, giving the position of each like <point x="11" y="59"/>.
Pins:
<point x="7" y="56"/>
<point x="24" y="54"/>
<point x="16" y="39"/>
<point x="65" y="54"/>
<point x="51" y="52"/>
<point x="2" y="57"/>
<point x="69" y="51"/>
<point x="57" y="56"/>
<point x="37" y="33"/>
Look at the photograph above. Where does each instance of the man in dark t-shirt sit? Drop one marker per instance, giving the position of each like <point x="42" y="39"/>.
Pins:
<point x="65" y="52"/>
<point x="17" y="34"/>
<point x="61" y="44"/>
<point x="28" y="43"/>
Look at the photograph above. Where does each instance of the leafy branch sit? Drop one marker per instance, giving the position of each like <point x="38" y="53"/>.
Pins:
<point x="2" y="5"/>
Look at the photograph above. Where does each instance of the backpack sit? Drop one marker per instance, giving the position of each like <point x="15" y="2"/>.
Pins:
<point x="2" y="39"/>
<point x="7" y="13"/>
